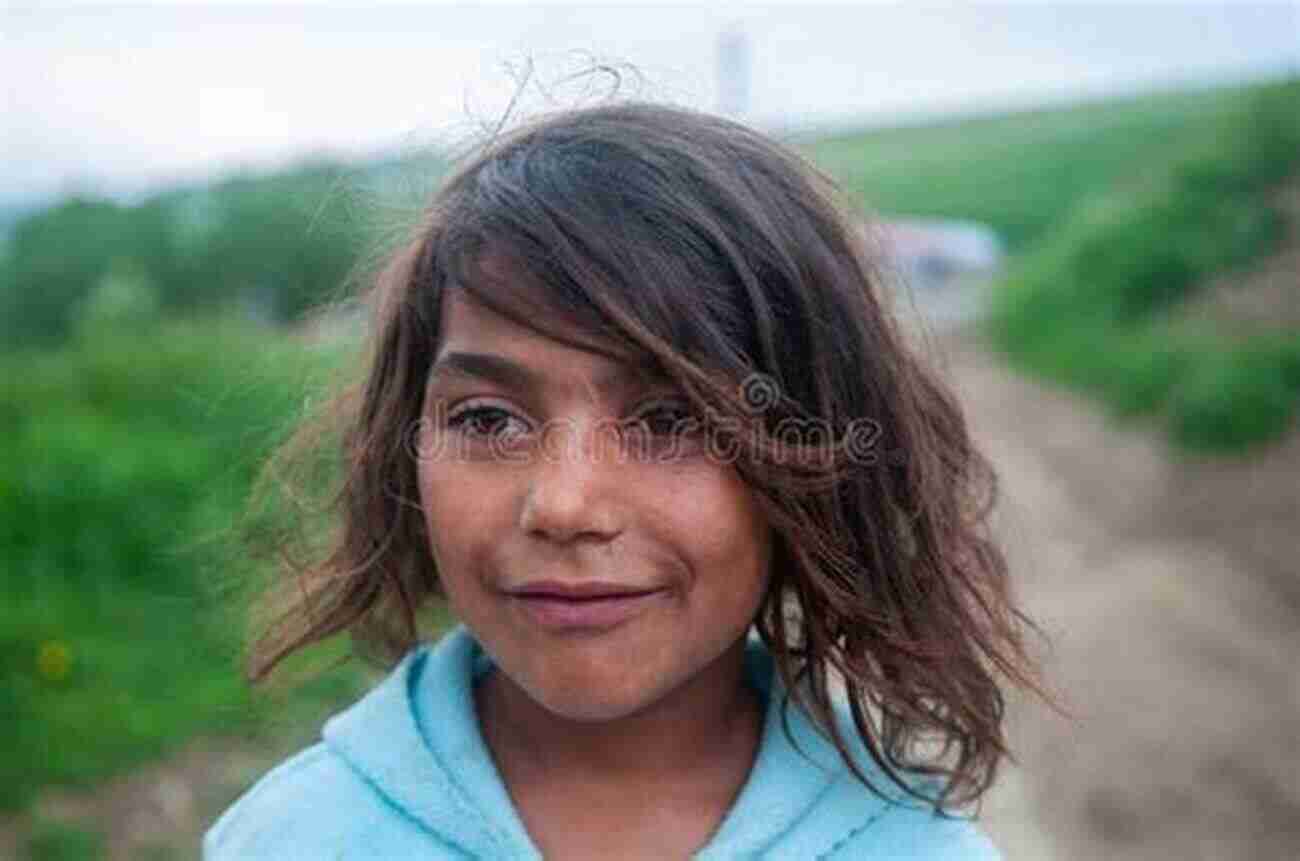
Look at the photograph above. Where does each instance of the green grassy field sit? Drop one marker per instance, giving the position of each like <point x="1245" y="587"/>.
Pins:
<point x="1093" y="305"/>
<point x="126" y="461"/>
<point x="1021" y="173"/>
<point x="1114" y="213"/>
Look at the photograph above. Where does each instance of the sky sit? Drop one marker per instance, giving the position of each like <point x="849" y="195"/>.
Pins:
<point x="123" y="99"/>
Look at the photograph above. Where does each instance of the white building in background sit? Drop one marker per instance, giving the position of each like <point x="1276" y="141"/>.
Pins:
<point x="733" y="68"/>
<point x="944" y="269"/>
<point x="932" y="253"/>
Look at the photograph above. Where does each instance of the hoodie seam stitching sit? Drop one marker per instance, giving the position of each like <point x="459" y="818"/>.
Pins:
<point x="460" y="798"/>
<point x="377" y="789"/>
<point x="785" y="832"/>
<point x="352" y="757"/>
<point x="853" y="833"/>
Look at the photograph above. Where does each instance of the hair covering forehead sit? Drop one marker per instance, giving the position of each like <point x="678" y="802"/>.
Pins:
<point x="498" y="281"/>
<point x="616" y="227"/>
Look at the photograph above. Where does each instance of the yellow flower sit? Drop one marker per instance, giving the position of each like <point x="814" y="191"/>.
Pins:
<point x="54" y="660"/>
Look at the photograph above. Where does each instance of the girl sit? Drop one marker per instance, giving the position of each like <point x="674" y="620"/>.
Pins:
<point x="633" y="394"/>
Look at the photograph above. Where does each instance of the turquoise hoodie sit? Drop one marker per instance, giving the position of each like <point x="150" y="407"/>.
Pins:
<point x="404" y="773"/>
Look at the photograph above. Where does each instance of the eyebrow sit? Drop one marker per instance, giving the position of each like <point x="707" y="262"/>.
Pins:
<point x="513" y="375"/>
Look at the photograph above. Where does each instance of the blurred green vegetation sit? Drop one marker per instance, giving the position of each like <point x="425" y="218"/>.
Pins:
<point x="127" y="460"/>
<point x="274" y="246"/>
<point x="61" y="841"/>
<point x="1094" y="305"/>
<point x="142" y="380"/>
<point x="1020" y="173"/>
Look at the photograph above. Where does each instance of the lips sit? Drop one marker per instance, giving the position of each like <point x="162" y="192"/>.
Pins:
<point x="583" y="606"/>
<point x="585" y="590"/>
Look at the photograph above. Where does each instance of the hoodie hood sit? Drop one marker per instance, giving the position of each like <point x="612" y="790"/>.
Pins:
<point x="415" y="740"/>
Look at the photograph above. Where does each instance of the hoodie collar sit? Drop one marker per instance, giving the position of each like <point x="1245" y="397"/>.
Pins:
<point x="415" y="738"/>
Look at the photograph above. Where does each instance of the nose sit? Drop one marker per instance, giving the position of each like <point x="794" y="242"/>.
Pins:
<point x="571" y="487"/>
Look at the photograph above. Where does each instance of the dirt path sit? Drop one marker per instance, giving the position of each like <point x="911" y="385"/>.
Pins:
<point x="160" y="811"/>
<point x="1169" y="589"/>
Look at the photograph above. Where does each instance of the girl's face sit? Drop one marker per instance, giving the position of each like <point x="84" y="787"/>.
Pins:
<point x="535" y="501"/>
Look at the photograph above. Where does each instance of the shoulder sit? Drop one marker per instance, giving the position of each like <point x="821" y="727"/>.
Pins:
<point x="851" y="821"/>
<point x="312" y="805"/>
<point x="915" y="834"/>
<point x="294" y="804"/>
<point x="894" y="824"/>
<point x="805" y="802"/>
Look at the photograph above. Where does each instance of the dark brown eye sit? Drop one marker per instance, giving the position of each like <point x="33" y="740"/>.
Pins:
<point x="484" y="422"/>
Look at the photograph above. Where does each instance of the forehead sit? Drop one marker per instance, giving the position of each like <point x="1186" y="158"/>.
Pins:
<point x="466" y="313"/>
<point x="467" y="322"/>
<point x="479" y="344"/>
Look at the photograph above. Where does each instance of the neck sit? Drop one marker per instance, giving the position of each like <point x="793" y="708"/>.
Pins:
<point x="712" y="721"/>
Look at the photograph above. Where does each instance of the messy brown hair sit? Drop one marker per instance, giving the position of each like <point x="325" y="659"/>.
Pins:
<point x="736" y="268"/>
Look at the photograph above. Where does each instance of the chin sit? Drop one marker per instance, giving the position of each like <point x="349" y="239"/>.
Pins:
<point x="592" y="702"/>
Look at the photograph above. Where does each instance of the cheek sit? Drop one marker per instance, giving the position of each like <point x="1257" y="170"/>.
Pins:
<point x="724" y="532"/>
<point x="462" y="528"/>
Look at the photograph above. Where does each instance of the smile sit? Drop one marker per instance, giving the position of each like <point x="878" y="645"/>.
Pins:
<point x="595" y="613"/>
